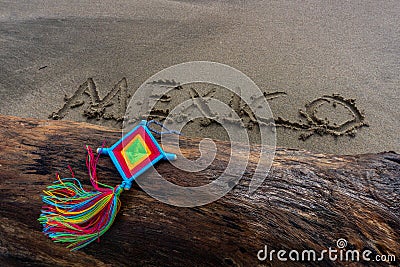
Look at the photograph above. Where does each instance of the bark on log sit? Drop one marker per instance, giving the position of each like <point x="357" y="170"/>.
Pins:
<point x="308" y="201"/>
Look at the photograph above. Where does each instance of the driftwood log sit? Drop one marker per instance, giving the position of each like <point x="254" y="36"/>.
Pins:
<point x="308" y="201"/>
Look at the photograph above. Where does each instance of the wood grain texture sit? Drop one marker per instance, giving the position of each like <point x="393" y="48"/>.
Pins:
<point x="308" y="201"/>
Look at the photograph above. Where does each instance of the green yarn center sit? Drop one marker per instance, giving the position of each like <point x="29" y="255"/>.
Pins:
<point x="136" y="151"/>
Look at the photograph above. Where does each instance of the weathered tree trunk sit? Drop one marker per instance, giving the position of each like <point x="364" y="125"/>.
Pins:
<point x="308" y="201"/>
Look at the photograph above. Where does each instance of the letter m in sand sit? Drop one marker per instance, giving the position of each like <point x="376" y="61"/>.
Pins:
<point x="86" y="100"/>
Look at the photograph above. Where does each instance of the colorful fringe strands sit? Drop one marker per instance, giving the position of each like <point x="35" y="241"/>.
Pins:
<point x="78" y="217"/>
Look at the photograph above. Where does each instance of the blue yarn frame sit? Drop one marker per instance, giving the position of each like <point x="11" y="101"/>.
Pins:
<point x="110" y="152"/>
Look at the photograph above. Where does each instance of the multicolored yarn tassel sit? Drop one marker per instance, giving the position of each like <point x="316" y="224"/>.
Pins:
<point x="77" y="216"/>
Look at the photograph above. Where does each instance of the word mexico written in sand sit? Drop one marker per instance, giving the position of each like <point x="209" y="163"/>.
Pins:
<point x="112" y="107"/>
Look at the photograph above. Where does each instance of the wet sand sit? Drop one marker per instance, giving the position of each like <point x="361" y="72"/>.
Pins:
<point x="305" y="52"/>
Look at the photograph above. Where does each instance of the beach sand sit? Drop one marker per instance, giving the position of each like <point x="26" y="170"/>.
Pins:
<point x="297" y="52"/>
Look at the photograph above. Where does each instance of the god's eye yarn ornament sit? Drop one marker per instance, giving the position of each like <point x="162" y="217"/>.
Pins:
<point x="76" y="216"/>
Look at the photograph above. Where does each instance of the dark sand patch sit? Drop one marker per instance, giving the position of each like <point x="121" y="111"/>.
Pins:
<point x="306" y="49"/>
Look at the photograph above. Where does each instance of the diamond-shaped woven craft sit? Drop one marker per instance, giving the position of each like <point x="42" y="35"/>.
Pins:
<point x="136" y="152"/>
